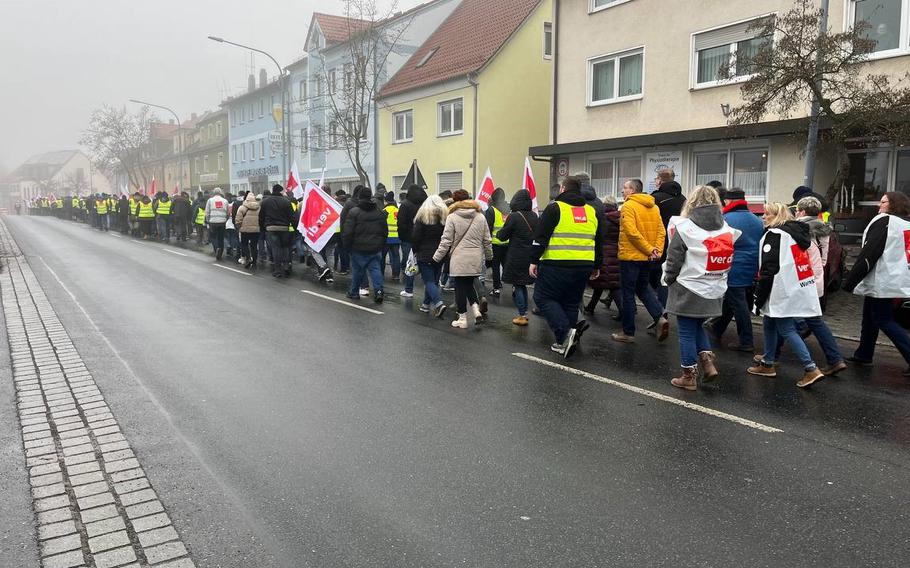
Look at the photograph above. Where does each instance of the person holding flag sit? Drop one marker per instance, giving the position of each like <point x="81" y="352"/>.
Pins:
<point x="364" y="234"/>
<point x="568" y="244"/>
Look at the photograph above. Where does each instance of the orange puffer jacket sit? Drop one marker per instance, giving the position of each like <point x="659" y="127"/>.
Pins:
<point x="640" y="228"/>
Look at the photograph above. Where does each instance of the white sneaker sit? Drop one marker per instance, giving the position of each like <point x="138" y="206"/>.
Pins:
<point x="364" y="291"/>
<point x="461" y="322"/>
<point x="478" y="315"/>
<point x="406" y="294"/>
<point x="241" y="260"/>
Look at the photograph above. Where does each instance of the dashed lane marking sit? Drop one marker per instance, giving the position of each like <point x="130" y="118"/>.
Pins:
<point x="652" y="394"/>
<point x="114" y="235"/>
<point x="173" y="252"/>
<point x="231" y="269"/>
<point x="343" y="303"/>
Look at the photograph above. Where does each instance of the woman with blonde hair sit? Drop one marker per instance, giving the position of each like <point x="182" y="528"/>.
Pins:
<point x="699" y="256"/>
<point x="785" y="290"/>
<point x="429" y="222"/>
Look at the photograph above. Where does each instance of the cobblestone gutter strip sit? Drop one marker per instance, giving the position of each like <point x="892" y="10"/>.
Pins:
<point x="93" y="504"/>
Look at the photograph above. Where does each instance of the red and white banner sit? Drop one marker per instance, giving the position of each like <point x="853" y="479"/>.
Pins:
<point x="293" y="186"/>
<point x="319" y="216"/>
<point x="528" y="183"/>
<point x="485" y="192"/>
<point x="152" y="188"/>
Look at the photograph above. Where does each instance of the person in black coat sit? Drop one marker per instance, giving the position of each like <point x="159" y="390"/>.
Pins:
<point x="519" y="230"/>
<point x="608" y="279"/>
<point x="425" y="235"/>
<point x="669" y="199"/>
<point x="363" y="234"/>
<point x="276" y="215"/>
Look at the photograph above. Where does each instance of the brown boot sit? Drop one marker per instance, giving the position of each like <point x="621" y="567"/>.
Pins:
<point x="709" y="370"/>
<point x="688" y="380"/>
<point x="810" y="377"/>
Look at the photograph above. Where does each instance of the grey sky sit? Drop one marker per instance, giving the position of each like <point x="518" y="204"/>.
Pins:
<point x="64" y="58"/>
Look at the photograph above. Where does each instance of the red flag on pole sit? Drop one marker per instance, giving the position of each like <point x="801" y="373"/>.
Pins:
<point x="293" y="186"/>
<point x="485" y="192"/>
<point x="319" y="216"/>
<point x="152" y="188"/>
<point x="528" y="183"/>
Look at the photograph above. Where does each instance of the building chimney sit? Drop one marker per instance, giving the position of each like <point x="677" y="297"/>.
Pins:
<point x="251" y="83"/>
<point x="263" y="78"/>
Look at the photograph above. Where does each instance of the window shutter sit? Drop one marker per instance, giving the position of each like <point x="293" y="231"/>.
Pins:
<point x="449" y="181"/>
<point x="728" y="35"/>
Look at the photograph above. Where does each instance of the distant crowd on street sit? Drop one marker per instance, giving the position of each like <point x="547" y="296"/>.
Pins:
<point x="703" y="257"/>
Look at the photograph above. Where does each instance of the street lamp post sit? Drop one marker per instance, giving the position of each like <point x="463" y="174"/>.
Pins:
<point x="186" y="158"/>
<point x="282" y="85"/>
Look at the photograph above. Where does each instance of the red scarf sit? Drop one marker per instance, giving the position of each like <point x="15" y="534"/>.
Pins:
<point x="734" y="204"/>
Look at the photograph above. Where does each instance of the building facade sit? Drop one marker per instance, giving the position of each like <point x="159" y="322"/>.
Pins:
<point x="254" y="130"/>
<point x="68" y="172"/>
<point x="652" y="100"/>
<point x="475" y="95"/>
<point x="209" y="152"/>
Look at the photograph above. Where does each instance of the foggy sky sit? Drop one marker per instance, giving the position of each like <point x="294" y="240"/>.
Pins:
<point x="62" y="59"/>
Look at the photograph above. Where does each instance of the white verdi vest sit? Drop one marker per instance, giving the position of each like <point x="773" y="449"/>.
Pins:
<point x="890" y="277"/>
<point x="708" y="259"/>
<point x="793" y="293"/>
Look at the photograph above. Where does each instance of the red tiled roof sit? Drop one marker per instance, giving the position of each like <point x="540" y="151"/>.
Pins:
<point x="338" y="29"/>
<point x="465" y="41"/>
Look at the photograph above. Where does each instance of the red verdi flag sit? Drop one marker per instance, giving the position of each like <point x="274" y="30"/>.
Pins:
<point x="319" y="216"/>
<point x="293" y="185"/>
<point x="528" y="183"/>
<point x="485" y="193"/>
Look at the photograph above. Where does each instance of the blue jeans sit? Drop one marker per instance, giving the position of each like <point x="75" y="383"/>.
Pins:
<point x="409" y="280"/>
<point x="878" y="315"/>
<point x="233" y="238"/>
<point x="558" y="294"/>
<point x="634" y="276"/>
<point x="392" y="250"/>
<point x="825" y="339"/>
<point x="164" y="227"/>
<point x="520" y="297"/>
<point x="736" y="307"/>
<point x="429" y="273"/>
<point x="363" y="265"/>
<point x="785" y="328"/>
<point x="693" y="339"/>
<point x="280" y="249"/>
<point x="654" y="277"/>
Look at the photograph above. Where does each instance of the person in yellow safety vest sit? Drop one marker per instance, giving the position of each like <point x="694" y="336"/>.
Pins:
<point x="101" y="208"/>
<point x="392" y="248"/>
<point x="496" y="215"/>
<point x="162" y="207"/>
<point x="567" y="251"/>
<point x="145" y="212"/>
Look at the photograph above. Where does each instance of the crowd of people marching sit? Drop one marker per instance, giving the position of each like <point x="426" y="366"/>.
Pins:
<point x="704" y="258"/>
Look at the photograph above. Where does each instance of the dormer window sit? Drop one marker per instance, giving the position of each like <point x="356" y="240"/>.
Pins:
<point x="426" y="57"/>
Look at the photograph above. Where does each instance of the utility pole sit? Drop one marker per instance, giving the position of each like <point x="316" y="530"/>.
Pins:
<point x="812" y="142"/>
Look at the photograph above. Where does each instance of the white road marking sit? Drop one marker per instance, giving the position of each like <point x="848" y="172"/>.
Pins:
<point x="231" y="269"/>
<point x="173" y="252"/>
<point x="343" y="303"/>
<point x="114" y="235"/>
<point x="652" y="394"/>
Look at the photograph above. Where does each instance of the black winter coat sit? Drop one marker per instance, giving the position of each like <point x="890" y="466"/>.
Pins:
<point x="425" y="240"/>
<point x="407" y="211"/>
<point x="609" y="268"/>
<point x="519" y="231"/>
<point x="365" y="228"/>
<point x="276" y="211"/>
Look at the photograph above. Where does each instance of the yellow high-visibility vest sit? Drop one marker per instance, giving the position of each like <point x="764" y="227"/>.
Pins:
<point x="295" y="206"/>
<point x="164" y="207"/>
<point x="101" y="207"/>
<point x="146" y="211"/>
<point x="200" y="216"/>
<point x="499" y="221"/>
<point x="392" y="220"/>
<point x="573" y="237"/>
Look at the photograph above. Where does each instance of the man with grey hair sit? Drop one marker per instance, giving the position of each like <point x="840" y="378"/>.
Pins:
<point x="216" y="216"/>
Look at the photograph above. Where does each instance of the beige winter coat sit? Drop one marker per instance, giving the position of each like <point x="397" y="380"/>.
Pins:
<point x="467" y="237"/>
<point x="247" y="220"/>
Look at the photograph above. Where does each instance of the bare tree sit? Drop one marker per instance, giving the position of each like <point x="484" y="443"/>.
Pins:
<point x="115" y="140"/>
<point x="798" y="63"/>
<point x="373" y="36"/>
<point x="74" y="184"/>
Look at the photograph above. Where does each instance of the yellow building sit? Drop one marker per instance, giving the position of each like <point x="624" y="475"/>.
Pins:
<point x="474" y="96"/>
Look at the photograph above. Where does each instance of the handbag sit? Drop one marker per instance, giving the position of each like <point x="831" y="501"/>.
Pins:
<point x="410" y="268"/>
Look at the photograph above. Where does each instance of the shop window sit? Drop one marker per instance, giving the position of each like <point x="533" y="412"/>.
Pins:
<point x="608" y="175"/>
<point x="868" y="179"/>
<point x="750" y="171"/>
<point x="711" y="167"/>
<point x="902" y="180"/>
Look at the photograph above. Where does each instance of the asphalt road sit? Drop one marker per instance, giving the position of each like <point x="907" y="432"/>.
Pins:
<point x="285" y="429"/>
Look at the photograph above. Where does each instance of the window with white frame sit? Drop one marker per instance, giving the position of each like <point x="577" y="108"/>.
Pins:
<point x="596" y="5"/>
<point x="448" y="181"/>
<point x="319" y="85"/>
<point x="451" y="117"/>
<point x="220" y="161"/>
<point x="233" y="117"/>
<point x="317" y="137"/>
<point x="397" y="182"/>
<point x="243" y="152"/>
<point x="331" y="81"/>
<point x="242" y="114"/>
<point x="218" y="129"/>
<point x="234" y="154"/>
<point x="301" y="91"/>
<point x="887" y="22"/>
<point x="728" y="48"/>
<point x="333" y="135"/>
<point x="205" y="164"/>
<point x="364" y="123"/>
<point x="252" y="110"/>
<point x="547" y="40"/>
<point x="616" y="77"/>
<point x="348" y="77"/>
<point x="262" y="148"/>
<point x="252" y="151"/>
<point x="608" y="174"/>
<point x="745" y="168"/>
<point x="404" y="126"/>
<point x="304" y="140"/>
